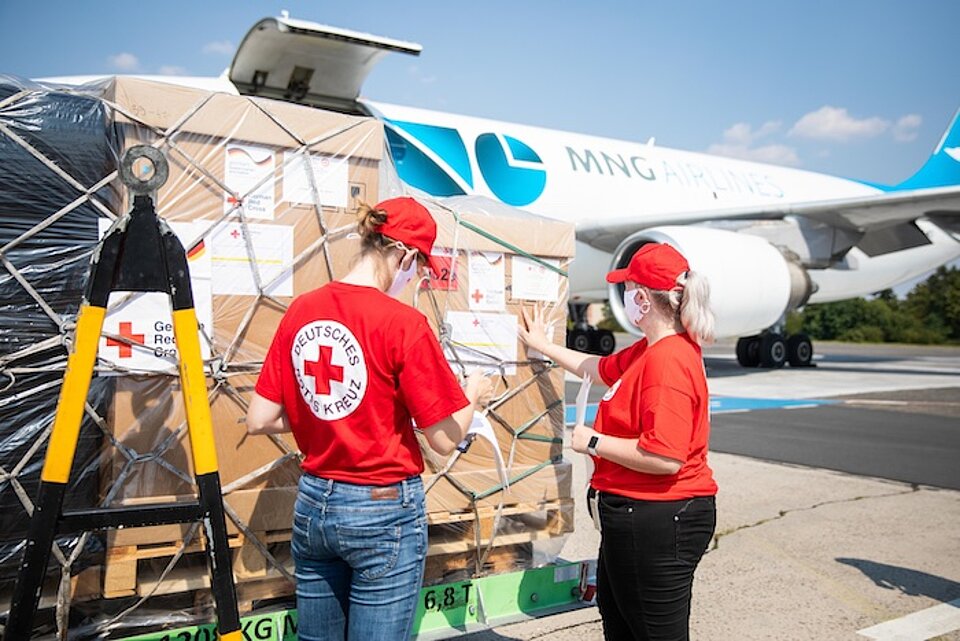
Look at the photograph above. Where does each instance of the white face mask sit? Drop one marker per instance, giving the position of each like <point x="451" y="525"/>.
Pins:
<point x="634" y="311"/>
<point x="403" y="277"/>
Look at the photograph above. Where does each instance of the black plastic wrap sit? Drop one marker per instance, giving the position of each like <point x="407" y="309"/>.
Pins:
<point x="52" y="256"/>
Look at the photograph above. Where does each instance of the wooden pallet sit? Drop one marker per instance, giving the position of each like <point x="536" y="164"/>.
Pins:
<point x="460" y="566"/>
<point x="457" y="531"/>
<point x="134" y="570"/>
<point x="123" y="567"/>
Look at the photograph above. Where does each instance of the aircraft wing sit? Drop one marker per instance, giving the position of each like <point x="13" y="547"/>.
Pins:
<point x="857" y="215"/>
<point x="308" y="62"/>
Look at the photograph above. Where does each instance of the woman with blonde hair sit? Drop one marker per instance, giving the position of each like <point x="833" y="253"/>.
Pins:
<point x="349" y="371"/>
<point x="654" y="488"/>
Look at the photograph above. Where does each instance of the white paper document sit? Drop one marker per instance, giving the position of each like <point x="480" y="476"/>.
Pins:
<point x="330" y="176"/>
<point x="481" y="426"/>
<point x="233" y="269"/>
<point x="486" y="281"/>
<point x="142" y="323"/>
<point x="534" y="281"/>
<point x="582" y="397"/>
<point x="486" y="339"/>
<point x="245" y="166"/>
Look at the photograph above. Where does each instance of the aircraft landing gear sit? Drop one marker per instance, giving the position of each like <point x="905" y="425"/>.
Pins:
<point x="800" y="350"/>
<point x="585" y="338"/>
<point x="772" y="350"/>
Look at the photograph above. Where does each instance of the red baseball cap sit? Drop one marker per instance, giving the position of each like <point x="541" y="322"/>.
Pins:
<point x="409" y="222"/>
<point x="655" y="265"/>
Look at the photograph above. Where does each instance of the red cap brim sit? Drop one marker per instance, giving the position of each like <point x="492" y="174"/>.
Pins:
<point x="618" y="276"/>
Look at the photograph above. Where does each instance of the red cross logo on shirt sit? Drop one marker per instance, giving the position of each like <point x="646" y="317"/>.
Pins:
<point x="126" y="349"/>
<point x="323" y="371"/>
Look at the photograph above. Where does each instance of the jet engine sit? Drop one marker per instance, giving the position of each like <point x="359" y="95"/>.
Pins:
<point x="752" y="284"/>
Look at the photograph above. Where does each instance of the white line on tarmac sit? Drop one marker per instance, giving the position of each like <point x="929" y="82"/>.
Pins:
<point x="925" y="624"/>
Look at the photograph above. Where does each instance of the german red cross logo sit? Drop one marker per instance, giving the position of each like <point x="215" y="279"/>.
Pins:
<point x="323" y="371"/>
<point x="126" y="347"/>
<point x="329" y="365"/>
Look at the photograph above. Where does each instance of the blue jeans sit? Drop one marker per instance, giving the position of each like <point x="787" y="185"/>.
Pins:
<point x="359" y="553"/>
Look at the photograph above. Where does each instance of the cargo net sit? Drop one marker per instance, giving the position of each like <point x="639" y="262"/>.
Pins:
<point x="263" y="195"/>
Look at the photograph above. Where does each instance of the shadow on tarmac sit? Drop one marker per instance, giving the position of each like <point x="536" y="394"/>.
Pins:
<point x="907" y="581"/>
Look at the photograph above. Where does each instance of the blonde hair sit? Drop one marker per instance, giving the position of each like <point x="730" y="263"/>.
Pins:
<point x="689" y="305"/>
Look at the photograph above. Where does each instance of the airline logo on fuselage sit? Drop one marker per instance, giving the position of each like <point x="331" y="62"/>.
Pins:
<point x="436" y="160"/>
<point x="679" y="172"/>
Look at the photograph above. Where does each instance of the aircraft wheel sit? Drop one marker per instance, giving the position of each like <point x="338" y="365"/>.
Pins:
<point x="799" y="350"/>
<point x="606" y="343"/>
<point x="579" y="340"/>
<point x="748" y="351"/>
<point x="773" y="351"/>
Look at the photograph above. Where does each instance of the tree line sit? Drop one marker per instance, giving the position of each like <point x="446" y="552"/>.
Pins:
<point x="930" y="314"/>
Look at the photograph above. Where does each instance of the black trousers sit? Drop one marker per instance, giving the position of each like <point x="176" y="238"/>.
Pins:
<point x="648" y="553"/>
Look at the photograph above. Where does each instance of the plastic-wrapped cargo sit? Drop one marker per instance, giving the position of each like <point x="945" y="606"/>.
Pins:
<point x="55" y="151"/>
<point x="263" y="195"/>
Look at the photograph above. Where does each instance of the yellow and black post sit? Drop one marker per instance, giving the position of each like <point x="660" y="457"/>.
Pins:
<point x="140" y="253"/>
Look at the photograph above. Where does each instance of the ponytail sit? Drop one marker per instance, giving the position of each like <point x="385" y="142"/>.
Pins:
<point x="694" y="303"/>
<point x="689" y="305"/>
<point x="369" y="220"/>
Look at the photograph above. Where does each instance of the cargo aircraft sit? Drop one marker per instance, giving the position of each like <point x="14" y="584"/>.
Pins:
<point x="770" y="239"/>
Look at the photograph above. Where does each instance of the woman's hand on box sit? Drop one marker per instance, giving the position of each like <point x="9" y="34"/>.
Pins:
<point x="533" y="329"/>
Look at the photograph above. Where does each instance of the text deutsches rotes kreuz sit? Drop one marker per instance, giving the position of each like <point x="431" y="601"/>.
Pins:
<point x="330" y="369"/>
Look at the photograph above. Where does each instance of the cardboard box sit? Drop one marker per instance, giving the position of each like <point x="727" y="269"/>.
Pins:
<point x="296" y="215"/>
<point x="220" y="147"/>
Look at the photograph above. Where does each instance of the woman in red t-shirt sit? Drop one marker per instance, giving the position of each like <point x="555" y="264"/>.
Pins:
<point x="649" y="445"/>
<point x="349" y="371"/>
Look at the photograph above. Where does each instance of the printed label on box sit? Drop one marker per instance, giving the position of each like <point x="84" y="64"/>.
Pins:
<point x="235" y="270"/>
<point x="329" y="177"/>
<point x="142" y="322"/>
<point x="246" y="167"/>
<point x="489" y="339"/>
<point x="535" y="281"/>
<point x="487" y="281"/>
<point x="444" y="277"/>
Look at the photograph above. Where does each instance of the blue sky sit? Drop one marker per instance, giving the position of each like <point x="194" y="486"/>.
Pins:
<point x="853" y="88"/>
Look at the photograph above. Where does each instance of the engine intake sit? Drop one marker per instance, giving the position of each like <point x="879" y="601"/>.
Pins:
<point x="752" y="284"/>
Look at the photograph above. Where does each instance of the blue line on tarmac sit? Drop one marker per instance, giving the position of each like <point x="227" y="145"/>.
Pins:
<point x="720" y="405"/>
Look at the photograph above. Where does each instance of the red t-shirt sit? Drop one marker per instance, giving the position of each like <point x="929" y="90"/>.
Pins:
<point x="658" y="394"/>
<point x="351" y="366"/>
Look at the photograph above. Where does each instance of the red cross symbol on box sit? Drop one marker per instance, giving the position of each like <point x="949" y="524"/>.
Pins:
<point x="234" y="201"/>
<point x="323" y="371"/>
<point x="476" y="322"/>
<point x="476" y="296"/>
<point x="235" y="234"/>
<point x="126" y="349"/>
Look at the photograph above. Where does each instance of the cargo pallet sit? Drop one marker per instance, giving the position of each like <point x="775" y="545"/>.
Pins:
<point x="443" y="611"/>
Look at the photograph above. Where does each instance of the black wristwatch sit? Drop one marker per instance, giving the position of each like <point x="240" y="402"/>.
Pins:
<point x="592" y="445"/>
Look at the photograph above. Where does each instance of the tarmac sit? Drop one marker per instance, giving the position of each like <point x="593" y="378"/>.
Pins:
<point x="804" y="553"/>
